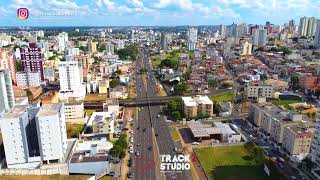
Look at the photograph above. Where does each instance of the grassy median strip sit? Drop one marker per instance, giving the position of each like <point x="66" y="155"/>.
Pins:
<point x="175" y="135"/>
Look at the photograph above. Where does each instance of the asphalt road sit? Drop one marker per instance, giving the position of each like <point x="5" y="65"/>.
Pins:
<point x="165" y="143"/>
<point x="143" y="164"/>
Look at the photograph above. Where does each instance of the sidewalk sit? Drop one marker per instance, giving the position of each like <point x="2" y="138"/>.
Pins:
<point x="196" y="169"/>
<point x="124" y="164"/>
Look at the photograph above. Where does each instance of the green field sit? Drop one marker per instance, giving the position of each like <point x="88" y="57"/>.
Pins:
<point x="279" y="102"/>
<point x="225" y="96"/>
<point x="233" y="163"/>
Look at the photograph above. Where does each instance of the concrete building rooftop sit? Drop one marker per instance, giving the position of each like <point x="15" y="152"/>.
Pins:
<point x="15" y="112"/>
<point x="49" y="109"/>
<point x="188" y="101"/>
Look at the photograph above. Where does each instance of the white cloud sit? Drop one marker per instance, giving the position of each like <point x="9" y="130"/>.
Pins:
<point x="136" y="3"/>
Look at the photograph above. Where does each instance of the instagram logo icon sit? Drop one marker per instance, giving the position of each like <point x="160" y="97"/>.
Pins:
<point x="23" y="13"/>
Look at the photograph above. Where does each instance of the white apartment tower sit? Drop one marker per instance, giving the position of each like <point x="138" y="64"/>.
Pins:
<point x="259" y="37"/>
<point x="307" y="26"/>
<point x="52" y="135"/>
<point x="13" y="125"/>
<point x="62" y="41"/>
<point x="34" y="136"/>
<point x="6" y="91"/>
<point x="70" y="74"/>
<point x="192" y="38"/>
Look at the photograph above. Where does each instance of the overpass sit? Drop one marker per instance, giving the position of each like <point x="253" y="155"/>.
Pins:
<point x="132" y="102"/>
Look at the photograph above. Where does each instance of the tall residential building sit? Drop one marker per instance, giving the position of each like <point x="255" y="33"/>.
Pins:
<point x="192" y="38"/>
<point x="232" y="30"/>
<point x="6" y="91"/>
<point x="246" y="48"/>
<point x="32" y="59"/>
<point x="52" y="135"/>
<point x="109" y="48"/>
<point x="8" y="62"/>
<point x="71" y="76"/>
<point x="34" y="136"/>
<point x="307" y="26"/>
<point x="315" y="148"/>
<point x="62" y="41"/>
<point x="92" y="47"/>
<point x="164" y="41"/>
<point x="222" y="31"/>
<point x="259" y="37"/>
<point x="292" y="26"/>
<point x="317" y="35"/>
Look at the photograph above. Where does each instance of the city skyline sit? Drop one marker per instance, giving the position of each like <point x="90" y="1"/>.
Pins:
<point x="154" y="12"/>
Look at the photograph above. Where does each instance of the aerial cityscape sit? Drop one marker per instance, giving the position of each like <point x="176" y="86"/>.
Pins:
<point x="160" y="89"/>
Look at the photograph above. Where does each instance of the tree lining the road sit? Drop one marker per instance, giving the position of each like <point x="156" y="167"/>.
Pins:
<point x="129" y="52"/>
<point x="119" y="147"/>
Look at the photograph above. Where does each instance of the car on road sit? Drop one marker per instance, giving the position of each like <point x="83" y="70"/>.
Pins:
<point x="130" y="175"/>
<point x="195" y="143"/>
<point x="131" y="131"/>
<point x="156" y="135"/>
<point x="130" y="119"/>
<point x="158" y="116"/>
<point x="131" y="151"/>
<point x="149" y="148"/>
<point x="137" y="153"/>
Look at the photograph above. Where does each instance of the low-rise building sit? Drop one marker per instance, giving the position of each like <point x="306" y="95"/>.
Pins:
<point x="90" y="157"/>
<point x="297" y="141"/>
<point x="74" y="112"/>
<point x="256" y="91"/>
<point x="225" y="109"/>
<point x="101" y="123"/>
<point x="197" y="106"/>
<point x="278" y="126"/>
<point x="28" y="79"/>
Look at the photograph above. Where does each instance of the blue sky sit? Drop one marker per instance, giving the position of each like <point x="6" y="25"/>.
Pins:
<point x="154" y="12"/>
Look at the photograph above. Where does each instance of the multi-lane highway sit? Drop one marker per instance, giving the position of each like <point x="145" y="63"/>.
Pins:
<point x="143" y="157"/>
<point x="148" y="119"/>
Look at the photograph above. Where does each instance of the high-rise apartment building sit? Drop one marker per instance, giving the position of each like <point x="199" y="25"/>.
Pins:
<point x="71" y="76"/>
<point x="109" y="48"/>
<point x="164" y="41"/>
<point x="92" y="46"/>
<point x="192" y="37"/>
<point x="259" y="37"/>
<point x="8" y="62"/>
<point x="6" y="91"/>
<point x="307" y="26"/>
<point x="51" y="129"/>
<point x="34" y="136"/>
<point x="32" y="59"/>
<point x="317" y="35"/>
<point x="222" y="31"/>
<point x="62" y="41"/>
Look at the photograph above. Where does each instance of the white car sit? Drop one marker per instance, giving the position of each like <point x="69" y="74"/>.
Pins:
<point x="195" y="143"/>
<point x="131" y="151"/>
<point x="131" y="140"/>
<point x="130" y="119"/>
<point x="131" y="131"/>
